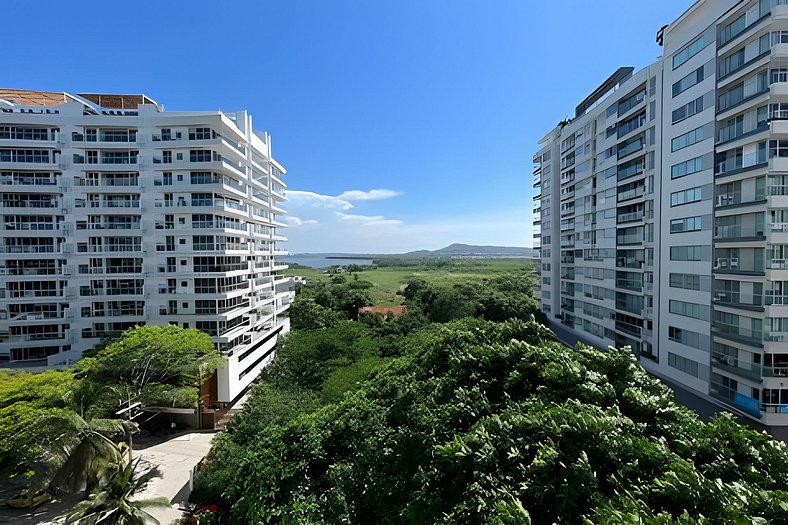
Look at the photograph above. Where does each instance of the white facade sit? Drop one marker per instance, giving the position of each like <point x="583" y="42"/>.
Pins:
<point x="688" y="264"/>
<point x="127" y="214"/>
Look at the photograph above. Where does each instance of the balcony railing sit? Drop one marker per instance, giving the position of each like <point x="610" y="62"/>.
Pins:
<point x="632" y="216"/>
<point x="628" y="262"/>
<point x="775" y="300"/>
<point x="738" y="332"/>
<point x="775" y="371"/>
<point x="631" y="194"/>
<point x="775" y="336"/>
<point x="735" y="298"/>
<point x="28" y="249"/>
<point x="636" y="285"/>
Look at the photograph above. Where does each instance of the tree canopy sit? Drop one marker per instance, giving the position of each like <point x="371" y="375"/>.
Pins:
<point x="51" y="418"/>
<point x="496" y="423"/>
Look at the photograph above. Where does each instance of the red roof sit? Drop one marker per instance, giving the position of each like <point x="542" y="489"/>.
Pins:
<point x="395" y="310"/>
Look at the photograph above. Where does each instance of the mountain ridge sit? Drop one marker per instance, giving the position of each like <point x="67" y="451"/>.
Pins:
<point x="453" y="250"/>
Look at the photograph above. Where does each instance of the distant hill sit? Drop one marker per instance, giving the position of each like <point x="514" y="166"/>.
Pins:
<point x="453" y="250"/>
<point x="470" y="250"/>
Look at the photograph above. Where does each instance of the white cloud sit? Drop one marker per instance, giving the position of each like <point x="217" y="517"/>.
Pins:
<point x="341" y="201"/>
<point x="371" y="195"/>
<point x="317" y="200"/>
<point x="297" y="221"/>
<point x="369" y="220"/>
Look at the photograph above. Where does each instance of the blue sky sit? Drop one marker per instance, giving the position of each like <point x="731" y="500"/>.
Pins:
<point x="403" y="124"/>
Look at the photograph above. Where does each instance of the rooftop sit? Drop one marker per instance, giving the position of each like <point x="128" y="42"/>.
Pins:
<point x="25" y="97"/>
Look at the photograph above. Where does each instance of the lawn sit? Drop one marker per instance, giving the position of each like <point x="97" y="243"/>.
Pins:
<point x="387" y="280"/>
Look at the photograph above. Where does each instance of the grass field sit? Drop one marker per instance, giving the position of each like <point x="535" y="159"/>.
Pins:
<point x="387" y="280"/>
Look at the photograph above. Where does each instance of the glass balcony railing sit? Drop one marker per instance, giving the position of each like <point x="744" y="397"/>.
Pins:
<point x="738" y="332"/>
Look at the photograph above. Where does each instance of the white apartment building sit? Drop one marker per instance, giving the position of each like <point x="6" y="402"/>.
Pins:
<point x="117" y="213"/>
<point x="662" y="209"/>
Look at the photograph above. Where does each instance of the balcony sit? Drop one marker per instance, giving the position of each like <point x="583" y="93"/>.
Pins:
<point x="105" y="160"/>
<point x="741" y="300"/>
<point x="631" y="148"/>
<point x="629" y="238"/>
<point x="25" y="180"/>
<point x="631" y="194"/>
<point x="630" y="217"/>
<point x="629" y="262"/>
<point x="734" y="366"/>
<point x="31" y="249"/>
<point x="775" y="371"/>
<point x="738" y="333"/>
<point x="39" y="204"/>
<point x="627" y="328"/>
<point x="115" y="204"/>
<point x="737" y="232"/>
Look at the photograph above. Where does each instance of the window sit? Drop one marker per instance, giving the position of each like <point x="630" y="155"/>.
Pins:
<point x="631" y="124"/>
<point x="690" y="253"/>
<point x="199" y="133"/>
<point x="201" y="177"/>
<point x="677" y="198"/>
<point x="687" y="139"/>
<point x="687" y="281"/>
<point x="199" y="155"/>
<point x="12" y="132"/>
<point x="696" y="311"/>
<point x="631" y="168"/>
<point x="778" y="75"/>
<point x="779" y="37"/>
<point x="686" y="224"/>
<point x="687" y="110"/>
<point x="733" y="29"/>
<point x="778" y="111"/>
<point x="202" y="199"/>
<point x="629" y="103"/>
<point x="688" y="52"/>
<point x="778" y="148"/>
<point x="688" y="366"/>
<point x="688" y="81"/>
<point x="689" y="167"/>
<point x="750" y="87"/>
<point x="205" y="286"/>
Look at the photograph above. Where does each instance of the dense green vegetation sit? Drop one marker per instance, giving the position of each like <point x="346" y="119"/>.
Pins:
<point x="466" y="410"/>
<point x="388" y="276"/>
<point x="495" y="423"/>
<point x="57" y="429"/>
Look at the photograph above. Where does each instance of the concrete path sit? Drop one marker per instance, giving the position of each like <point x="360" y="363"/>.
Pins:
<point x="175" y="458"/>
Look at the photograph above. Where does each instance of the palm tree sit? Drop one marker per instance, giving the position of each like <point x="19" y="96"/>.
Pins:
<point x="111" y="503"/>
<point x="87" y="456"/>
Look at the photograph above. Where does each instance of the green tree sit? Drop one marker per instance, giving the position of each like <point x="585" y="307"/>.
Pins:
<point x="496" y="423"/>
<point x="155" y="354"/>
<point x="162" y="365"/>
<point x="27" y="400"/>
<point x="306" y="314"/>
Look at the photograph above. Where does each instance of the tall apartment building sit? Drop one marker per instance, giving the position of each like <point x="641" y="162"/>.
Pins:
<point x="662" y="209"/>
<point x="117" y="213"/>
